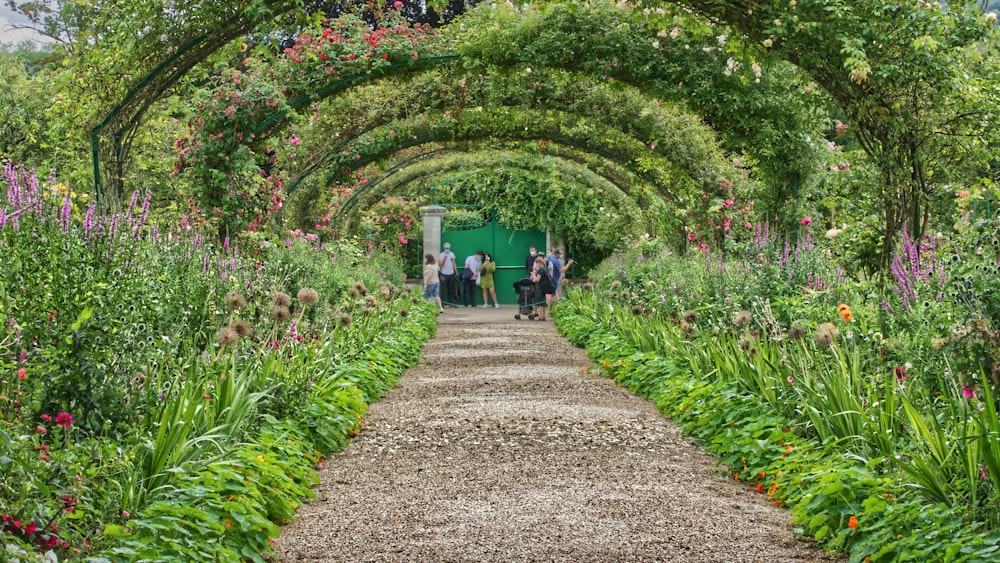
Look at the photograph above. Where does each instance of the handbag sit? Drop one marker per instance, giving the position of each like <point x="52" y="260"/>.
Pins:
<point x="479" y="280"/>
<point x="467" y="273"/>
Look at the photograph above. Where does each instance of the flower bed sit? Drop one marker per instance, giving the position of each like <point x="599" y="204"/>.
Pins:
<point x="161" y="396"/>
<point x="850" y="504"/>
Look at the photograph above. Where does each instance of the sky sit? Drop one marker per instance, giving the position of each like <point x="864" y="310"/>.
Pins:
<point x="10" y="36"/>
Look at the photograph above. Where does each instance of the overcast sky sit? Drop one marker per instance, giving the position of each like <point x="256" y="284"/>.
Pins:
<point x="10" y="36"/>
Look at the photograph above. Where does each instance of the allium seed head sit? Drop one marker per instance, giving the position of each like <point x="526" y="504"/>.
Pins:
<point x="344" y="320"/>
<point x="404" y="313"/>
<point x="235" y="301"/>
<point x="823" y="338"/>
<point x="353" y="293"/>
<point x="690" y="317"/>
<point x="307" y="296"/>
<point x="742" y="319"/>
<point x="241" y="327"/>
<point x="281" y="300"/>
<point x="796" y="332"/>
<point x="280" y="314"/>
<point x="226" y="337"/>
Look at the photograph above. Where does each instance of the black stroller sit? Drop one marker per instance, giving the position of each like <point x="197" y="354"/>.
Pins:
<point x="525" y="289"/>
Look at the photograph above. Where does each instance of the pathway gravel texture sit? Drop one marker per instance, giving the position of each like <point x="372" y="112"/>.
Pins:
<point x="500" y="446"/>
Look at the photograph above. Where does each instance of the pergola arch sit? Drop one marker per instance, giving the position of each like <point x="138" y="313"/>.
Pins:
<point x="635" y="73"/>
<point x="499" y="177"/>
<point x="452" y="162"/>
<point x="518" y="124"/>
<point x="601" y="118"/>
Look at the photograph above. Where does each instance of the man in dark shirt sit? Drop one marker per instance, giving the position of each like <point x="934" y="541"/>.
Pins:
<point x="529" y="262"/>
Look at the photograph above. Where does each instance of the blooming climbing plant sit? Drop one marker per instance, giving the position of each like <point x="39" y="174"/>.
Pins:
<point x="231" y="147"/>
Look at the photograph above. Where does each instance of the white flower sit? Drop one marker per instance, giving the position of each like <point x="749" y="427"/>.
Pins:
<point x="721" y="39"/>
<point x="991" y="18"/>
<point x="656" y="44"/>
<point x="675" y="32"/>
<point x="164" y="38"/>
<point x="661" y="33"/>
<point x="768" y="42"/>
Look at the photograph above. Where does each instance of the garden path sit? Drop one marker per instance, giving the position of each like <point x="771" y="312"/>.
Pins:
<point x="500" y="446"/>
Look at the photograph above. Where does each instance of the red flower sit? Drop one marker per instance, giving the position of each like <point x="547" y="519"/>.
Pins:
<point x="852" y="522"/>
<point x="46" y="418"/>
<point x="900" y="373"/>
<point x="21" y="373"/>
<point x="805" y="221"/>
<point x="40" y="429"/>
<point x="64" y="419"/>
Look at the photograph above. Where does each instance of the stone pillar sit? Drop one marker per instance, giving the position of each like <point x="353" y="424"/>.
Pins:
<point x="432" y="214"/>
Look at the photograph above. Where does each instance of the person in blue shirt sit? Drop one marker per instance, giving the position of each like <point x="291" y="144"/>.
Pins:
<point x="469" y="276"/>
<point x="558" y="269"/>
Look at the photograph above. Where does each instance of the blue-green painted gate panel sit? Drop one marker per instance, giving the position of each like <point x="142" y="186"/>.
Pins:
<point x="508" y="248"/>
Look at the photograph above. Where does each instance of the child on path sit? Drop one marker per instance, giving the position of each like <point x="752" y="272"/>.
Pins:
<point x="432" y="284"/>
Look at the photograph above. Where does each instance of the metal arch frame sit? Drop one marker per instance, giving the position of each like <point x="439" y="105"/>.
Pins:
<point x="560" y="139"/>
<point x="152" y="75"/>
<point x="373" y="184"/>
<point x="409" y="142"/>
<point x="341" y="84"/>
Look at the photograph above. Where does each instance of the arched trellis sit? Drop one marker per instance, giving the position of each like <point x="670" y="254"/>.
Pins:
<point x="756" y="23"/>
<point x="519" y="124"/>
<point x="123" y="120"/>
<point x="435" y="164"/>
<point x="665" y="130"/>
<point x="515" y="186"/>
<point x="341" y="84"/>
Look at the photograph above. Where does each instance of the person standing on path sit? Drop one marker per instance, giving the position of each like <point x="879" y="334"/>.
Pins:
<point x="529" y="262"/>
<point x="543" y="287"/>
<point x="449" y="274"/>
<point x="469" y="276"/>
<point x="432" y="285"/>
<point x="486" y="280"/>
<point x="558" y="269"/>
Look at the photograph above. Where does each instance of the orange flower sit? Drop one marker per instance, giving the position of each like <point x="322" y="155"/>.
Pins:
<point x="760" y="488"/>
<point x="852" y="522"/>
<point x="763" y="475"/>
<point x="774" y="487"/>
<point x="845" y="312"/>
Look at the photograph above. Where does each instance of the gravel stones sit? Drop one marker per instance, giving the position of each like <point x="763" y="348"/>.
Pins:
<point x="499" y="446"/>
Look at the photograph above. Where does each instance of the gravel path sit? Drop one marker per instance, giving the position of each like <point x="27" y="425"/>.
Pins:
<point x="499" y="446"/>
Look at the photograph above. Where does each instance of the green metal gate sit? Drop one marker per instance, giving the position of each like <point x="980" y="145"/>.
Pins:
<point x="508" y="248"/>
